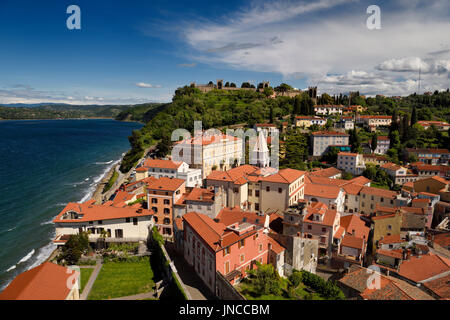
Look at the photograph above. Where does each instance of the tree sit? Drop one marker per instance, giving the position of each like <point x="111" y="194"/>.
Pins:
<point x="282" y="87"/>
<point x="413" y="116"/>
<point x="355" y="140"/>
<point x="265" y="280"/>
<point x="297" y="105"/>
<point x="374" y="142"/>
<point x="233" y="85"/>
<point x="74" y="248"/>
<point x="227" y="84"/>
<point x="245" y="85"/>
<point x="271" y="114"/>
<point x="331" y="155"/>
<point x="268" y="92"/>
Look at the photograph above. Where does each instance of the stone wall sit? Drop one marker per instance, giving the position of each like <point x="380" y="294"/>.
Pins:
<point x="225" y="290"/>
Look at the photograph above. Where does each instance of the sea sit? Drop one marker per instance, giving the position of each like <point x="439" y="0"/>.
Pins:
<point x="44" y="164"/>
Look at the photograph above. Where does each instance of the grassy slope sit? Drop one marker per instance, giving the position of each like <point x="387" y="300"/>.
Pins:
<point x="85" y="275"/>
<point x="119" y="279"/>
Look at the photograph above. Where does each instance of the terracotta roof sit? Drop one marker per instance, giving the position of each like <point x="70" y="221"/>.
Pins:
<point x="395" y="238"/>
<point x="326" y="181"/>
<point x="424" y="267"/>
<point x="375" y="117"/>
<point x="163" y="164"/>
<point x="391" y="166"/>
<point x="322" y="191"/>
<point x="276" y="247"/>
<point x="47" y="281"/>
<point x="360" y="180"/>
<point x="228" y="216"/>
<point x="355" y="226"/>
<point x="284" y="176"/>
<point x="123" y="196"/>
<point x="350" y="154"/>
<point x="166" y="184"/>
<point x="179" y="223"/>
<point x="329" y="133"/>
<point x="429" y="150"/>
<point x="326" y="173"/>
<point x="141" y="169"/>
<point x="339" y="233"/>
<point x="92" y="212"/>
<point x="199" y="194"/>
<point x="352" y="189"/>
<point x="329" y="215"/>
<point x="442" y="239"/>
<point x="398" y="253"/>
<point x="440" y="286"/>
<point x="382" y="138"/>
<point x="352" y="242"/>
<point x="379" y="192"/>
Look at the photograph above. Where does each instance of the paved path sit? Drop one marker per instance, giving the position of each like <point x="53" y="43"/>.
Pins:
<point x="197" y="289"/>
<point x="140" y="296"/>
<point x="90" y="283"/>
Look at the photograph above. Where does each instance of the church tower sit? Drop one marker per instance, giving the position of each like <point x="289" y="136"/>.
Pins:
<point x="260" y="153"/>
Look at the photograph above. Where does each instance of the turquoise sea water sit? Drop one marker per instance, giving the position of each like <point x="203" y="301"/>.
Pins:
<point x="43" y="165"/>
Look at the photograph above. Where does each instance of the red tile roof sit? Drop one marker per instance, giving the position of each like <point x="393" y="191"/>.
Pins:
<point x="47" y="281"/>
<point x="329" y="133"/>
<point x="349" y="154"/>
<point x="201" y="195"/>
<point x="228" y="216"/>
<point x="163" y="164"/>
<point x="92" y="212"/>
<point x="424" y="267"/>
<point x="276" y="247"/>
<point x="395" y="238"/>
<point x="326" y="173"/>
<point x="398" y="253"/>
<point x="322" y="191"/>
<point x="166" y="184"/>
<point x="440" y="286"/>
<point x="355" y="226"/>
<point x="352" y="242"/>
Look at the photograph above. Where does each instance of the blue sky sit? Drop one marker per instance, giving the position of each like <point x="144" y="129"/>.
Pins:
<point x="140" y="51"/>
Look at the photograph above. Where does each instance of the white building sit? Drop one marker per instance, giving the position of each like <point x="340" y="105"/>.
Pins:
<point x="351" y="162"/>
<point x="383" y="144"/>
<point x="208" y="152"/>
<point x="328" y="109"/>
<point x="322" y="140"/>
<point x="346" y="123"/>
<point x="116" y="224"/>
<point x="172" y="169"/>
<point x="259" y="155"/>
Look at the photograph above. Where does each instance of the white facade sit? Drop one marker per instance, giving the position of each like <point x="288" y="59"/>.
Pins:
<point x="326" y="110"/>
<point x="351" y="162"/>
<point x="321" y="141"/>
<point x="193" y="177"/>
<point x="382" y="146"/>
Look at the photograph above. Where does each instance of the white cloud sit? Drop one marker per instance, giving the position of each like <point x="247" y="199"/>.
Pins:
<point x="147" y="85"/>
<point x="308" y="40"/>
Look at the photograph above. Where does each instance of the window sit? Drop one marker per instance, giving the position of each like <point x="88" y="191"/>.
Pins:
<point x="155" y="209"/>
<point x="257" y="206"/>
<point x="241" y="243"/>
<point x="249" y="192"/>
<point x="127" y="219"/>
<point x="280" y="190"/>
<point x="242" y="258"/>
<point x="118" y="233"/>
<point x="135" y="221"/>
<point x="268" y="189"/>
<point x="100" y="222"/>
<point x="309" y="227"/>
<point x="257" y="193"/>
<point x="324" y="229"/>
<point x="226" y="251"/>
<point x="260" y="247"/>
<point x="166" y="201"/>
<point x="236" y="190"/>
<point x="154" y="200"/>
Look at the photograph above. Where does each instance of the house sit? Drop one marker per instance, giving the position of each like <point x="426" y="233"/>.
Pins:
<point x="332" y="196"/>
<point x="47" y="281"/>
<point x="232" y="250"/>
<point x="430" y="156"/>
<point x="352" y="194"/>
<point x="387" y="222"/>
<point x="383" y="145"/>
<point x="366" y="284"/>
<point x="374" y="159"/>
<point x="346" y="123"/>
<point x="352" y="238"/>
<point x="424" y="268"/>
<point x="207" y="201"/>
<point x="439" y="125"/>
<point x="209" y="152"/>
<point x="114" y="224"/>
<point x="433" y="185"/>
<point x="374" y="121"/>
<point x="428" y="170"/>
<point x="328" y="109"/>
<point x="259" y="189"/>
<point x="370" y="197"/>
<point x="399" y="174"/>
<point x="351" y="162"/>
<point x="439" y="288"/>
<point x="331" y="173"/>
<point x="416" y="219"/>
<point x="158" y="168"/>
<point x="308" y="121"/>
<point x="321" y="141"/>
<point x="162" y="194"/>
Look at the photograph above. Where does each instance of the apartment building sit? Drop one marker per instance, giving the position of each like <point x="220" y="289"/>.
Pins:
<point x="208" y="152"/>
<point x="322" y="140"/>
<point x="208" y="201"/>
<point x="259" y="189"/>
<point x="383" y="145"/>
<point x="431" y="156"/>
<point x="331" y="195"/>
<point x="351" y="162"/>
<point x="232" y="250"/>
<point x="399" y="174"/>
<point x="116" y="224"/>
<point x="370" y="197"/>
<point x="158" y="168"/>
<point x="308" y="121"/>
<point x="162" y="194"/>
<point x="374" y="159"/>
<point x="328" y="109"/>
<point x="373" y="121"/>
<point x="439" y="125"/>
<point x="346" y="123"/>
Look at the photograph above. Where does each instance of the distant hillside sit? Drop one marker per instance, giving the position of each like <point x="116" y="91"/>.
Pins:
<point x="141" y="112"/>
<point x="62" y="111"/>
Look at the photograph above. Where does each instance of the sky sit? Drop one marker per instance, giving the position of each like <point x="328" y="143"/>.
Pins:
<point x="129" y="52"/>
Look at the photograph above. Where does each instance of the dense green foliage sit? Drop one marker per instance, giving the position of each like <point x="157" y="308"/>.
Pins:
<point x="296" y="146"/>
<point x="61" y="112"/>
<point x="141" y="112"/>
<point x="111" y="181"/>
<point x="216" y="109"/>
<point x="74" y="248"/>
<point x="377" y="175"/>
<point x="326" y="288"/>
